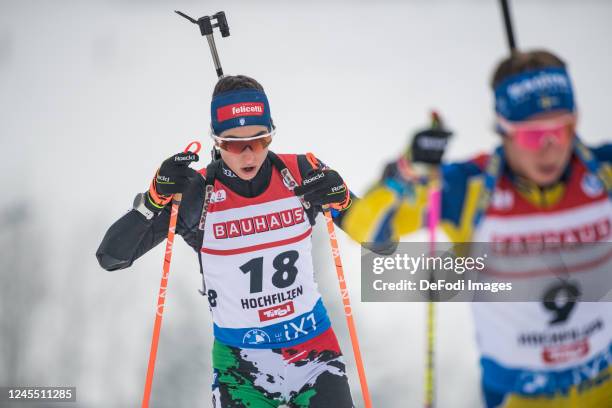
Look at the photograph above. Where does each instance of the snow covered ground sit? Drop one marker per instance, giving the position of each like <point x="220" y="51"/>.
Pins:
<point x="94" y="95"/>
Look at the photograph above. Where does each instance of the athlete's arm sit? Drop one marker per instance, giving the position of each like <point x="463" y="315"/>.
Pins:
<point x="391" y="208"/>
<point x="133" y="235"/>
<point x="395" y="206"/>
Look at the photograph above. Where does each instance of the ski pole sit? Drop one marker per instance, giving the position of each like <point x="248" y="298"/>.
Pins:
<point x="163" y="287"/>
<point x="348" y="310"/>
<point x="433" y="219"/>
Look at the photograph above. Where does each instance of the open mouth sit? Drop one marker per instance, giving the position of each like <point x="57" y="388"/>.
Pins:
<point x="248" y="169"/>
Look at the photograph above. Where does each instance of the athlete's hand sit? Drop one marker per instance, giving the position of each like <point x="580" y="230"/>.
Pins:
<point x="428" y="146"/>
<point x="423" y="155"/>
<point x="171" y="178"/>
<point x="324" y="187"/>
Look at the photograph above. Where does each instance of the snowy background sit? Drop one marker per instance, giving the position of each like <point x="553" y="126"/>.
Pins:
<point x="95" y="94"/>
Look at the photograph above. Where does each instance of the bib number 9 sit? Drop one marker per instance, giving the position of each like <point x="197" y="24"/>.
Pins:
<point x="560" y="300"/>
<point x="284" y="274"/>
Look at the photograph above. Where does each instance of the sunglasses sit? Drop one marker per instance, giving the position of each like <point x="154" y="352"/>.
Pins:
<point x="234" y="144"/>
<point x="534" y="135"/>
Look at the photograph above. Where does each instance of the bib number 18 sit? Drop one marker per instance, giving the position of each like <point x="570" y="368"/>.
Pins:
<point x="284" y="274"/>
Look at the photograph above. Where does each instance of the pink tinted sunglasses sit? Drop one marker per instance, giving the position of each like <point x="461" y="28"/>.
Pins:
<point x="536" y="134"/>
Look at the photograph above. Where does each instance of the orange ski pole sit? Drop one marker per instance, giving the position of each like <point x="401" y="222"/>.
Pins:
<point x="163" y="287"/>
<point x="348" y="310"/>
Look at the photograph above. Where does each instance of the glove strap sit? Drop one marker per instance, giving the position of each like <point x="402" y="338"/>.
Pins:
<point x="157" y="200"/>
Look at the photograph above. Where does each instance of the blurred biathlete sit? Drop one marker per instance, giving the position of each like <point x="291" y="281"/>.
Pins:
<point x="249" y="216"/>
<point x="542" y="186"/>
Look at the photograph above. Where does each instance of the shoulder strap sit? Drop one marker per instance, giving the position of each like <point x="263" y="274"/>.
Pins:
<point x="276" y="161"/>
<point x="288" y="178"/>
<point x="209" y="186"/>
<point x="290" y="182"/>
<point x="279" y="164"/>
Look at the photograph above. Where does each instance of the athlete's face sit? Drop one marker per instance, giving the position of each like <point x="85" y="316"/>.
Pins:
<point x="247" y="160"/>
<point x="542" y="163"/>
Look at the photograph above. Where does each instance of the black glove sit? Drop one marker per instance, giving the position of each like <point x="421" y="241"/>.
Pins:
<point x="321" y="187"/>
<point x="171" y="178"/>
<point x="428" y="146"/>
